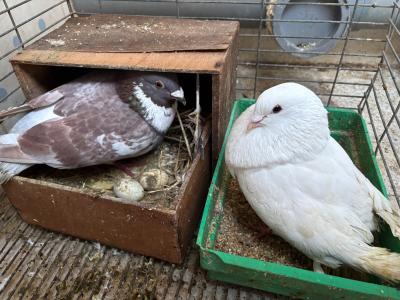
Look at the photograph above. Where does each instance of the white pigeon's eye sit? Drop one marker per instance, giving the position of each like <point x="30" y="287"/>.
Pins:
<point x="276" y="109"/>
<point x="159" y="84"/>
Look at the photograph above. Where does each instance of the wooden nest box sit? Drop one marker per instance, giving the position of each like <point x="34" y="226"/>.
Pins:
<point x="185" y="47"/>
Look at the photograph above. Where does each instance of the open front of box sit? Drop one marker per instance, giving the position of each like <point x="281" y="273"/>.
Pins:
<point x="231" y="252"/>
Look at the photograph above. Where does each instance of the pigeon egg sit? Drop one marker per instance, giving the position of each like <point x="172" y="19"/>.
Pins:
<point x="128" y="189"/>
<point x="154" y="179"/>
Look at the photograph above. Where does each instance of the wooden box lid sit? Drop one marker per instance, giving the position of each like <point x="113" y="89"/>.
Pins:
<point x="140" y="42"/>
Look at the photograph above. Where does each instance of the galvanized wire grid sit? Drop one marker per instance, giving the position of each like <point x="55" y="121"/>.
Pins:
<point x="360" y="72"/>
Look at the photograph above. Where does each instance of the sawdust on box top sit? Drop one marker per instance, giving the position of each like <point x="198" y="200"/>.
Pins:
<point x="238" y="232"/>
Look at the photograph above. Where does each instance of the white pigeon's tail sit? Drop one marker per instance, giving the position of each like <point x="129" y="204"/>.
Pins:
<point x="388" y="212"/>
<point x="8" y="170"/>
<point x="382" y="263"/>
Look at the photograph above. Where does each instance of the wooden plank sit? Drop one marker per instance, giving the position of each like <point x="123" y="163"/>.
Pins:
<point x="114" y="223"/>
<point x="183" y="62"/>
<point x="224" y="88"/>
<point x="194" y="192"/>
<point x="122" y="33"/>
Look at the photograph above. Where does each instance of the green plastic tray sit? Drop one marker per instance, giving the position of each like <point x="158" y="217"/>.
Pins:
<point x="349" y="128"/>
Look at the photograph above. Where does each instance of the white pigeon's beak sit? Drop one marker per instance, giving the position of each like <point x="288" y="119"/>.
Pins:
<point x="255" y="122"/>
<point x="179" y="96"/>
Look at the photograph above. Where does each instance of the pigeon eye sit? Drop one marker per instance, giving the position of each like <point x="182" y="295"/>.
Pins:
<point x="276" y="109"/>
<point x="159" y="84"/>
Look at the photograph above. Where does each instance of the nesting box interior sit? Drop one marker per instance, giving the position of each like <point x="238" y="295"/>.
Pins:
<point x="74" y="202"/>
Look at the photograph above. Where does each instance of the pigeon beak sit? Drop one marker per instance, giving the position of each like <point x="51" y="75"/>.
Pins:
<point x="179" y="96"/>
<point x="255" y="122"/>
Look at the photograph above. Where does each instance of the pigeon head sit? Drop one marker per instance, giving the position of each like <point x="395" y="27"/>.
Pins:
<point x="163" y="89"/>
<point x="153" y="95"/>
<point x="288" y="123"/>
<point x="287" y="105"/>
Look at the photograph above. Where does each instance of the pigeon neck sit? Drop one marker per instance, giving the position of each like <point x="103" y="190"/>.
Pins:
<point x="159" y="117"/>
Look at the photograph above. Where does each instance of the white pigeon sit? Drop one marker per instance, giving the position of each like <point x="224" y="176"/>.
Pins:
<point x="305" y="187"/>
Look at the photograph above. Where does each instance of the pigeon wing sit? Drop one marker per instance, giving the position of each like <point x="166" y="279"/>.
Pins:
<point x="90" y="136"/>
<point x="44" y="100"/>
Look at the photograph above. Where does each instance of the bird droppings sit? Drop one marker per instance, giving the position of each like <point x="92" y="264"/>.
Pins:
<point x="55" y="43"/>
<point x="107" y="33"/>
<point x="162" y="171"/>
<point x="238" y="230"/>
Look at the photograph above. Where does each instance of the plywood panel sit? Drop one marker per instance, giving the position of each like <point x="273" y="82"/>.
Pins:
<point x="119" y="33"/>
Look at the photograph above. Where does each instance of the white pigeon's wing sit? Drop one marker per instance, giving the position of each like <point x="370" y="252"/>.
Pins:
<point x="382" y="206"/>
<point x="325" y="232"/>
<point x="363" y="193"/>
<point x="320" y="202"/>
<point x="332" y="178"/>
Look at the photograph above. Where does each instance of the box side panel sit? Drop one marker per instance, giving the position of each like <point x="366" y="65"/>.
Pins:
<point x="222" y="104"/>
<point x="126" y="226"/>
<point x="194" y="194"/>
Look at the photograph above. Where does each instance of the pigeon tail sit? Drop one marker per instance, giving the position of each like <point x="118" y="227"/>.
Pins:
<point x="387" y="211"/>
<point x="8" y="170"/>
<point x="382" y="263"/>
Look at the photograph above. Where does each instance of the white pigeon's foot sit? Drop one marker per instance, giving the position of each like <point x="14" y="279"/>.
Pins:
<point x="318" y="268"/>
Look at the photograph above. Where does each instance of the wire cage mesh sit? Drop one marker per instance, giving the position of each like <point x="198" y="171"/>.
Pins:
<point x="359" y="70"/>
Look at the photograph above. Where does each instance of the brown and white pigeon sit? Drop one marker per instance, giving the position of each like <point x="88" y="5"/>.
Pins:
<point x="99" y="118"/>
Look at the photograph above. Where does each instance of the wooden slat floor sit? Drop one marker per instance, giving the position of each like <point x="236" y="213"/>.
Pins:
<point x="39" y="264"/>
